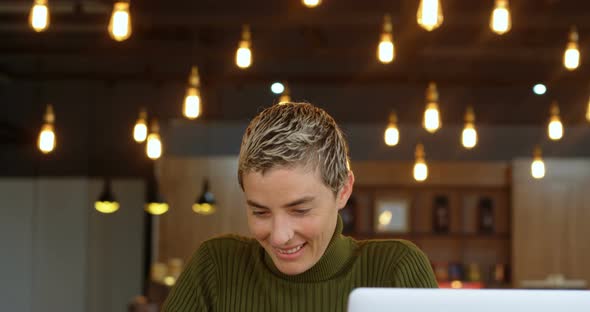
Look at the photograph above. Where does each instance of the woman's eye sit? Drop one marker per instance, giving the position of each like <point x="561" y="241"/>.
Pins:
<point x="301" y="211"/>
<point x="259" y="213"/>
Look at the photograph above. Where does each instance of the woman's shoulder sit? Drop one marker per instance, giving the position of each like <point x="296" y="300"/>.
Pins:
<point x="398" y="247"/>
<point x="229" y="244"/>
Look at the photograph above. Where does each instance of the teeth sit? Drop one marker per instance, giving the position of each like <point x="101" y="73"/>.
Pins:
<point x="290" y="251"/>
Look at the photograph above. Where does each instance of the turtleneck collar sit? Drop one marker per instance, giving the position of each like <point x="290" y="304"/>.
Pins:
<point x="336" y="256"/>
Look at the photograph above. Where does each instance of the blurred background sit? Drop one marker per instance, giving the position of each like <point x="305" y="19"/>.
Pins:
<point x="468" y="124"/>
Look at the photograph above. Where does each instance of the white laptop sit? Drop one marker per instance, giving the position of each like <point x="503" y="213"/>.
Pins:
<point x="467" y="300"/>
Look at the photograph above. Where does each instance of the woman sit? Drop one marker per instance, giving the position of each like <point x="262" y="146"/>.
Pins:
<point x="293" y="169"/>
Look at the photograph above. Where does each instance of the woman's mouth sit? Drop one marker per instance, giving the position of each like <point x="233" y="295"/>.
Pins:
<point x="289" y="253"/>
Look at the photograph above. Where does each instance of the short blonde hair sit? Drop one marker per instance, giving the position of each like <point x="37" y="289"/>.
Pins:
<point x="293" y="134"/>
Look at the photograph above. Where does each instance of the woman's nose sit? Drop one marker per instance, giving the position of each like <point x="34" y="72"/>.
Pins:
<point x="281" y="232"/>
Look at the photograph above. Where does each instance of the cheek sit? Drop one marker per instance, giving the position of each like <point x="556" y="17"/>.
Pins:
<point x="258" y="228"/>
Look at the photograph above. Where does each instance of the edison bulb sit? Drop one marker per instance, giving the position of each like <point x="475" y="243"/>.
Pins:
<point x="46" y="141"/>
<point x="120" y="23"/>
<point x="538" y="169"/>
<point x="571" y="57"/>
<point x="192" y="103"/>
<point x="311" y="3"/>
<point x="385" y="51"/>
<point x="391" y="136"/>
<point x="39" y="15"/>
<point x="140" y="129"/>
<point x="501" y="21"/>
<point x="469" y="136"/>
<point x="429" y="14"/>
<point x="431" y="118"/>
<point x="420" y="171"/>
<point x="555" y="129"/>
<point x="154" y="146"/>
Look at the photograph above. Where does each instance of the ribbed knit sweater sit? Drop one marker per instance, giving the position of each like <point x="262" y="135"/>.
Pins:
<point x="233" y="273"/>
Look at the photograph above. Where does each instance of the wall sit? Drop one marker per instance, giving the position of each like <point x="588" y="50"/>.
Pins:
<point x="551" y="220"/>
<point x="59" y="254"/>
<point x="181" y="230"/>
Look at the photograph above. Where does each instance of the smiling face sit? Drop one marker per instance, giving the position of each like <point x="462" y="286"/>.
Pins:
<point x="293" y="214"/>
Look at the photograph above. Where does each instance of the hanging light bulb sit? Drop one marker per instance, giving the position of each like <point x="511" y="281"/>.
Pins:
<point x="555" y="128"/>
<point x="537" y="166"/>
<point x="120" y="23"/>
<point x="205" y="204"/>
<point x="571" y="56"/>
<point x="311" y="3"/>
<point x="392" y="133"/>
<point x="420" y="167"/>
<point x="469" y="135"/>
<point x="244" y="54"/>
<point x="46" y="140"/>
<point x="156" y="204"/>
<point x="431" y="114"/>
<point x="285" y="96"/>
<point x="501" y="22"/>
<point x="192" y="100"/>
<point x="106" y="202"/>
<point x="140" y="128"/>
<point x="154" y="144"/>
<point x="430" y="14"/>
<point x="39" y="15"/>
<point x="386" y="49"/>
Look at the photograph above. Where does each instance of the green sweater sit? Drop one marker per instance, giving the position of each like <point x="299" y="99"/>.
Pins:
<point x="233" y="273"/>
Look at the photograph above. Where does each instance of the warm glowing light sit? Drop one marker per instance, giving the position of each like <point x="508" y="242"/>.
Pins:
<point x="385" y="217"/>
<point x="286" y="96"/>
<point x="39" y="15"/>
<point x="431" y="120"/>
<point x="192" y="100"/>
<point x="156" y="208"/>
<point x="386" y="49"/>
<point x="205" y="203"/>
<point x="588" y="111"/>
<point x="169" y="280"/>
<point x="501" y="21"/>
<point x="420" y="167"/>
<point x="154" y="143"/>
<point x="555" y="127"/>
<point x="430" y="14"/>
<point x="244" y="54"/>
<point x="537" y="166"/>
<point x="140" y="128"/>
<point x="204" y="209"/>
<point x="571" y="56"/>
<point x="106" y="202"/>
<point x="469" y="135"/>
<point x="106" y="206"/>
<point x="311" y="3"/>
<point x="456" y="284"/>
<point x="46" y="141"/>
<point x="391" y="135"/>
<point x="120" y="23"/>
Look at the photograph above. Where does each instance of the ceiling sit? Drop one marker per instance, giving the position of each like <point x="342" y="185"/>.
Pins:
<point x="326" y="54"/>
<point x="331" y="47"/>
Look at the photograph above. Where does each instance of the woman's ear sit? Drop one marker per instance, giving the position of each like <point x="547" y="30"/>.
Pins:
<point x="345" y="191"/>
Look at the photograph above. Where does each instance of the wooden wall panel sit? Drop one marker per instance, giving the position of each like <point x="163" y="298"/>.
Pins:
<point x="551" y="220"/>
<point x="181" y="230"/>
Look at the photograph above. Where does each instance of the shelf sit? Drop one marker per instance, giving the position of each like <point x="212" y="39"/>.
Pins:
<point x="427" y="235"/>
